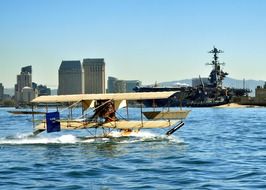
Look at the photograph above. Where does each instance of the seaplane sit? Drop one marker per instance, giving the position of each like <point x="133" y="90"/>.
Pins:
<point x="101" y="113"/>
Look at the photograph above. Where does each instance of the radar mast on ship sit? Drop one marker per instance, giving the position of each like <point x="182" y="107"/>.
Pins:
<point x="217" y="75"/>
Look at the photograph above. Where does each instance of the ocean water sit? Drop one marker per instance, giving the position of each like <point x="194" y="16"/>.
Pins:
<point x="218" y="148"/>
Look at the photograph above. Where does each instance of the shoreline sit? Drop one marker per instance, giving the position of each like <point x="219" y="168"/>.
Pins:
<point x="235" y="105"/>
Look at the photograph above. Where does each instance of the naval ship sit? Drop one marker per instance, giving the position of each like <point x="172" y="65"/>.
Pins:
<point x="206" y="94"/>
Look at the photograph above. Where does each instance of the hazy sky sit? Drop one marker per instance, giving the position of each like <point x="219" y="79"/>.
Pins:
<point x="149" y="40"/>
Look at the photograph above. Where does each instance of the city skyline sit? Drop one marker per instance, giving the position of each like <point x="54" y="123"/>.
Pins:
<point x="148" y="40"/>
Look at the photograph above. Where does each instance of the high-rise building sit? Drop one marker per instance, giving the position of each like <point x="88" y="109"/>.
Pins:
<point x="27" y="69"/>
<point x="70" y="75"/>
<point x="111" y="84"/>
<point x="24" y="79"/>
<point x="27" y="94"/>
<point x="1" y="91"/>
<point x="43" y="90"/>
<point x="121" y="86"/>
<point x="94" y="76"/>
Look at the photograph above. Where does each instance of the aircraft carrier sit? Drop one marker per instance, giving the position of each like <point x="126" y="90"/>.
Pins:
<point x="206" y="94"/>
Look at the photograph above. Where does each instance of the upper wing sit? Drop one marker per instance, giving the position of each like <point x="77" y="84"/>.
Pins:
<point x="115" y="97"/>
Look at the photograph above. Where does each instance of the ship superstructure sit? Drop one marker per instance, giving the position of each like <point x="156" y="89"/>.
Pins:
<point x="217" y="75"/>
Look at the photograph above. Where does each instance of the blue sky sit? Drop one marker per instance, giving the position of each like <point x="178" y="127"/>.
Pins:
<point x="149" y="40"/>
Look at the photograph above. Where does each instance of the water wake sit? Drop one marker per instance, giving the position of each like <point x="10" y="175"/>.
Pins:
<point x="134" y="137"/>
<point x="145" y="136"/>
<point x="27" y="139"/>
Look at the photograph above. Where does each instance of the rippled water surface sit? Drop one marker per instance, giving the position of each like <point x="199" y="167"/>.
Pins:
<point x="216" y="149"/>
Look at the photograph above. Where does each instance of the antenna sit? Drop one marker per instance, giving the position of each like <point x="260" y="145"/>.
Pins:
<point x="217" y="75"/>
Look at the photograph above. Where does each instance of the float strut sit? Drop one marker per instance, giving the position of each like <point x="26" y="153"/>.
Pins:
<point x="38" y="131"/>
<point x="171" y="131"/>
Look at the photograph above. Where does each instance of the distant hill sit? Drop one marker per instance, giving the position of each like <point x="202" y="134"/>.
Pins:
<point x="250" y="84"/>
<point x="228" y="82"/>
<point x="177" y="82"/>
<point x="11" y="91"/>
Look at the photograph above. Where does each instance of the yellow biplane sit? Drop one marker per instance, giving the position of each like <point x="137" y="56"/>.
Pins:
<point x="105" y="116"/>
